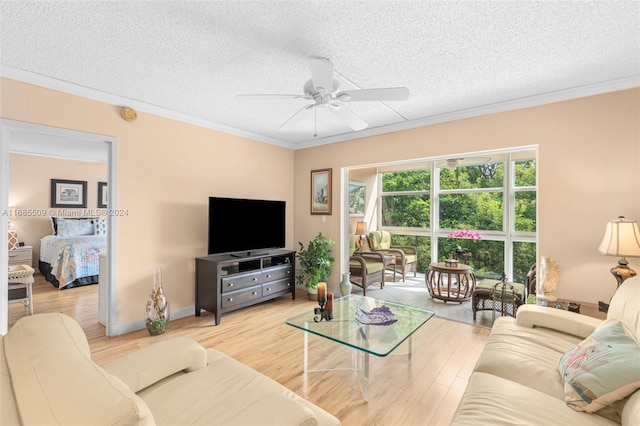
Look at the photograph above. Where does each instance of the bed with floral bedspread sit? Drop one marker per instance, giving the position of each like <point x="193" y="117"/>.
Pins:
<point x="71" y="261"/>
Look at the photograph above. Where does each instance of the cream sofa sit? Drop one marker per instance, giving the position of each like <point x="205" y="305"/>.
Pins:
<point x="47" y="378"/>
<point x="516" y="378"/>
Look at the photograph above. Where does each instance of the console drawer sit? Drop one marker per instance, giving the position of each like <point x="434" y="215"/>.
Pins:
<point x="279" y="286"/>
<point x="233" y="283"/>
<point x="234" y="298"/>
<point x="276" y="273"/>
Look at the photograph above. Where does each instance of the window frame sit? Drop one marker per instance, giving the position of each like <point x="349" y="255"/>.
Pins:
<point x="508" y="235"/>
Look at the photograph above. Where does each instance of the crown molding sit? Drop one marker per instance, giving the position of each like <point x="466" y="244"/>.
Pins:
<point x="96" y="95"/>
<point x="524" y="102"/>
<point x="514" y="104"/>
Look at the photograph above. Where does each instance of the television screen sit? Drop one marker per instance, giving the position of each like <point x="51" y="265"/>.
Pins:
<point x="243" y="225"/>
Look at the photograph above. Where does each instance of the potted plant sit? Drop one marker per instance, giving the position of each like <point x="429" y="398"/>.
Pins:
<point x="315" y="263"/>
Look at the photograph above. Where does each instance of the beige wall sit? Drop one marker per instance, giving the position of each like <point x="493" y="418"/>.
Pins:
<point x="589" y="162"/>
<point x="368" y="176"/>
<point x="30" y="188"/>
<point x="167" y="170"/>
<point x="588" y="171"/>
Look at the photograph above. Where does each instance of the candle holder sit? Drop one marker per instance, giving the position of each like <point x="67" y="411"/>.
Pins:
<point x="321" y="312"/>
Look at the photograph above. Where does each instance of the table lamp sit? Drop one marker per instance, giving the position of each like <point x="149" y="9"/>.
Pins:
<point x="621" y="238"/>
<point x="361" y="229"/>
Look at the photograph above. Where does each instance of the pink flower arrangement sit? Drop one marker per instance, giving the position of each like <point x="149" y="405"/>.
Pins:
<point x="465" y="233"/>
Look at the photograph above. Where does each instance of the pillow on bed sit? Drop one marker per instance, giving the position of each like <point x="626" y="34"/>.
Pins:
<point x="100" y="226"/>
<point x="55" y="219"/>
<point x="74" y="227"/>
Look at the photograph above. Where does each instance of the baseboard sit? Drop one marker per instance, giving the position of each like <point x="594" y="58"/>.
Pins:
<point x="139" y="325"/>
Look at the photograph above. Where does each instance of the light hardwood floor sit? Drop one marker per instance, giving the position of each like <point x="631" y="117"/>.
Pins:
<point x="422" y="390"/>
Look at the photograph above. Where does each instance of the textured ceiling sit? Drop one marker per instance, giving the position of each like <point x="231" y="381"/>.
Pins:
<point x="189" y="60"/>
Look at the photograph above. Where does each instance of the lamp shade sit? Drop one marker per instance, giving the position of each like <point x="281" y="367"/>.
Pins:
<point x="621" y="238"/>
<point x="361" y="228"/>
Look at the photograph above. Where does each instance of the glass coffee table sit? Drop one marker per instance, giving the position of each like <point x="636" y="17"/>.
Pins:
<point x="365" y="339"/>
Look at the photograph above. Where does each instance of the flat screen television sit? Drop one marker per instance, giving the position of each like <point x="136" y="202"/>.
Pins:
<point x="242" y="226"/>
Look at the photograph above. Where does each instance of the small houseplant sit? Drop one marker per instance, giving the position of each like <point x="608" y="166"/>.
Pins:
<point x="315" y="262"/>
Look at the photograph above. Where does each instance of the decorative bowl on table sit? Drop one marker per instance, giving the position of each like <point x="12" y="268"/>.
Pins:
<point x="377" y="316"/>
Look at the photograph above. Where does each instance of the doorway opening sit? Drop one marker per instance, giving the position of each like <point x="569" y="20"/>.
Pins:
<point x="33" y="139"/>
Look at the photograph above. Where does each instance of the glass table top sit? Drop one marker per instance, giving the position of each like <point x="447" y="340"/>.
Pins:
<point x="379" y="340"/>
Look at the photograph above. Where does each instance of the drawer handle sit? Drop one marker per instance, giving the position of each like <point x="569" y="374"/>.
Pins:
<point x="230" y="300"/>
<point x="230" y="284"/>
<point x="288" y="284"/>
<point x="268" y="276"/>
<point x="268" y="289"/>
<point x="288" y="272"/>
<point x="255" y="279"/>
<point x="254" y="293"/>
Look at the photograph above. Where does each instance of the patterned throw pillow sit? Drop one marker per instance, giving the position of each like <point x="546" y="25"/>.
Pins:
<point x="100" y="226"/>
<point x="602" y="369"/>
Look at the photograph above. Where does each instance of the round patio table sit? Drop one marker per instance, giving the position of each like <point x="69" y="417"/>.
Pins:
<point x="453" y="283"/>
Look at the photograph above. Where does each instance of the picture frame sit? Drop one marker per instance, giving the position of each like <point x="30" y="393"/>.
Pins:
<point x="102" y="195"/>
<point x="321" y="191"/>
<point x="357" y="199"/>
<point x="68" y="193"/>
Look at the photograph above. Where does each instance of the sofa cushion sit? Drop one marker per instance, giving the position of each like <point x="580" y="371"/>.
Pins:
<point x="8" y="414"/>
<point x="625" y="305"/>
<point x="162" y="359"/>
<point x="603" y="368"/>
<point x="493" y="400"/>
<point x="528" y="356"/>
<point x="55" y="382"/>
<point x="221" y="394"/>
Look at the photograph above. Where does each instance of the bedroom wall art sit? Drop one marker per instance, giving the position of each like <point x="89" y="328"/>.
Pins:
<point x="102" y="195"/>
<point x="68" y="193"/>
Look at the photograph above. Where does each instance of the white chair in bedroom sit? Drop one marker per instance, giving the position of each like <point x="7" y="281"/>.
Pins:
<point x="20" y="286"/>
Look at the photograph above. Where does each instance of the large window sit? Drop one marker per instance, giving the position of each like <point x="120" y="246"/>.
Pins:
<point x="494" y="196"/>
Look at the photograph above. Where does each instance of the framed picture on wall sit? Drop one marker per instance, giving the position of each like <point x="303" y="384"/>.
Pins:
<point x="321" y="191"/>
<point x="68" y="193"/>
<point x="102" y="195"/>
<point x="357" y="197"/>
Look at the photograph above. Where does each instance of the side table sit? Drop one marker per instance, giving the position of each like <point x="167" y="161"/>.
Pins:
<point x="450" y="283"/>
<point x="20" y="283"/>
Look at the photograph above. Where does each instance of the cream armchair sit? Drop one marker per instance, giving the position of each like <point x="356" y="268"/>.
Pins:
<point x="406" y="256"/>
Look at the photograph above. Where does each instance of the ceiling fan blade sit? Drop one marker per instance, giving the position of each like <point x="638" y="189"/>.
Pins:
<point x="273" y="96"/>
<point x="300" y="115"/>
<point x="384" y="94"/>
<point x="321" y="74"/>
<point x="349" y="117"/>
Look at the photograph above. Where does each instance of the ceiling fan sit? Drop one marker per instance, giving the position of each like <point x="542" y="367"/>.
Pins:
<point x="323" y="90"/>
<point x="466" y="161"/>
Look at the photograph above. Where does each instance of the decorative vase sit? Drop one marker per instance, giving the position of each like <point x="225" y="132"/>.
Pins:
<point x="345" y="284"/>
<point x="157" y="309"/>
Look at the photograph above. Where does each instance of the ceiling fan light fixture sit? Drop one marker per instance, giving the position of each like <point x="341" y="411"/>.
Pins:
<point x="322" y="89"/>
<point x="451" y="163"/>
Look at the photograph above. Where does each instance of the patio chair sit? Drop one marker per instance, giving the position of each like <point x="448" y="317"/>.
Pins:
<point x="366" y="268"/>
<point x="406" y="256"/>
